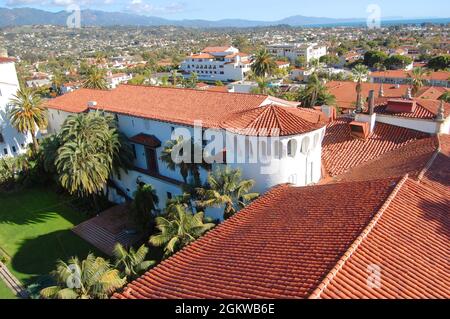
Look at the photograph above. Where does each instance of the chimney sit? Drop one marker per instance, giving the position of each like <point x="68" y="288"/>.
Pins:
<point x="381" y="91"/>
<point x="408" y="94"/>
<point x="440" y="117"/>
<point x="371" y="102"/>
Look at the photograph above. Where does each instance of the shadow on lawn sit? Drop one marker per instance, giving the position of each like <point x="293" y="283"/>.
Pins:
<point x="36" y="217"/>
<point x="38" y="256"/>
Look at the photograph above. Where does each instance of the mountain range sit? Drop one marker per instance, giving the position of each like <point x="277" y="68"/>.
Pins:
<point x="30" y="16"/>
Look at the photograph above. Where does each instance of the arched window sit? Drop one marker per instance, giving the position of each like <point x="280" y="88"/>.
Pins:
<point x="316" y="140"/>
<point x="292" y="148"/>
<point x="278" y="149"/>
<point x="305" y="145"/>
<point x="263" y="145"/>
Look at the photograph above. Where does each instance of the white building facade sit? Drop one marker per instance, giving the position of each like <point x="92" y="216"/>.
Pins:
<point x="12" y="142"/>
<point x="293" y="51"/>
<point x="293" y="156"/>
<point x="224" y="64"/>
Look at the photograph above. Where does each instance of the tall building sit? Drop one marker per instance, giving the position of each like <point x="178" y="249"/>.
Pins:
<point x="293" y="51"/>
<point x="11" y="142"/>
<point x="212" y="64"/>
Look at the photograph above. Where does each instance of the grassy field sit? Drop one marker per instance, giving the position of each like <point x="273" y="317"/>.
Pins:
<point x="5" y="292"/>
<point x="35" y="232"/>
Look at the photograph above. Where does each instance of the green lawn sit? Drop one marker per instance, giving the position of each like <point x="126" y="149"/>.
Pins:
<point x="5" y="292"/>
<point x="35" y="232"/>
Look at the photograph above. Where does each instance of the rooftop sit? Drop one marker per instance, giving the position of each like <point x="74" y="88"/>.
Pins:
<point x="321" y="246"/>
<point x="438" y="75"/>
<point x="174" y="105"/>
<point x="275" y="120"/>
<point x="342" y="152"/>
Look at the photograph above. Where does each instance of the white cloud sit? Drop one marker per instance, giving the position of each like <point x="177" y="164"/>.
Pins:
<point x="142" y="7"/>
<point x="56" y="3"/>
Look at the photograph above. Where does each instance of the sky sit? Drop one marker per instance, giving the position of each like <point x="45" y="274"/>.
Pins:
<point x="267" y="10"/>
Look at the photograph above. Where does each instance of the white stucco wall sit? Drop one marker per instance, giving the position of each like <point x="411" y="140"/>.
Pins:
<point x="14" y="142"/>
<point x="301" y="168"/>
<point x="427" y="126"/>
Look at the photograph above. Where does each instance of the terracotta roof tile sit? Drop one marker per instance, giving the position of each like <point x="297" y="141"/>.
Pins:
<point x="6" y="60"/>
<point x="274" y="120"/>
<point x="408" y="244"/>
<point x="242" y="259"/>
<point x="425" y="109"/>
<point x="438" y="75"/>
<point x="345" y="91"/>
<point x="410" y="159"/>
<point x="182" y="106"/>
<point x="341" y="151"/>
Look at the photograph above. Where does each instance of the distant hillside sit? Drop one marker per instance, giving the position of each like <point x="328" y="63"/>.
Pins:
<point x="29" y="16"/>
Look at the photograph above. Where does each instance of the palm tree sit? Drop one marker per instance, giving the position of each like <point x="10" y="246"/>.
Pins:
<point x="91" y="148"/>
<point x="144" y="204"/>
<point x="227" y="188"/>
<point x="359" y="73"/>
<point x="264" y="65"/>
<point x="131" y="263"/>
<point x="417" y="79"/>
<point x="263" y="85"/>
<point x="178" y="229"/>
<point x="315" y="93"/>
<point x="92" y="278"/>
<point x="174" y="157"/>
<point x="95" y="78"/>
<point x="27" y="113"/>
<point x="445" y="97"/>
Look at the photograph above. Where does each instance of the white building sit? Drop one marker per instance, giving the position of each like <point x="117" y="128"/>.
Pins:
<point x="294" y="50"/>
<point x="269" y="139"/>
<point x="212" y="64"/>
<point x="11" y="142"/>
<point x="114" y="79"/>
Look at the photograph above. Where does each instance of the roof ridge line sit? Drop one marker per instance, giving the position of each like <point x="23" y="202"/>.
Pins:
<point x="431" y="160"/>
<point x="275" y="110"/>
<point x="358" y="241"/>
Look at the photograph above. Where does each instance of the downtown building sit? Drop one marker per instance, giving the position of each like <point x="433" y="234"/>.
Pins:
<point x="292" y="51"/>
<point x="213" y="64"/>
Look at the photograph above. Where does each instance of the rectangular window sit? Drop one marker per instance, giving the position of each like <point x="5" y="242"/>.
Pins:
<point x="14" y="149"/>
<point x="169" y="195"/>
<point x="133" y="146"/>
<point x="5" y="151"/>
<point x="152" y="161"/>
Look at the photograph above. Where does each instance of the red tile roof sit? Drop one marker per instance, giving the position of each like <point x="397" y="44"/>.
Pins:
<point x="408" y="244"/>
<point x="431" y="92"/>
<point x="6" y="60"/>
<point x="345" y="92"/>
<point x="410" y="159"/>
<point x="425" y="109"/>
<point x="341" y="151"/>
<point x="274" y="120"/>
<point x="182" y="106"/>
<point x="201" y="56"/>
<point x="439" y="75"/>
<point x="281" y="246"/>
<point x="437" y="175"/>
<point x="216" y="49"/>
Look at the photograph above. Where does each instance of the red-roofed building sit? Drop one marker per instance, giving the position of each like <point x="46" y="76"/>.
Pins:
<point x="439" y="78"/>
<point x="213" y="64"/>
<point x="249" y="124"/>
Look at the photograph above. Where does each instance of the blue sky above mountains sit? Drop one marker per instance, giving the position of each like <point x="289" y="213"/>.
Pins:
<point x="250" y="9"/>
